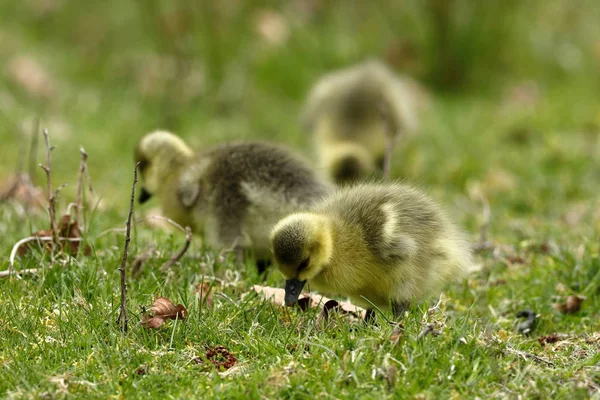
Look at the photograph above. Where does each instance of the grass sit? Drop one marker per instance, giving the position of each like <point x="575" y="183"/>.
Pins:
<point x="536" y="162"/>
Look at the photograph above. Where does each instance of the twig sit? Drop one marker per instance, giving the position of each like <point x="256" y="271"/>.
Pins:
<point x="140" y="220"/>
<point x="8" y="272"/>
<point x="15" y="249"/>
<point x="527" y="355"/>
<point x="167" y="220"/>
<point x="79" y="202"/>
<point x="122" y="319"/>
<point x="140" y="259"/>
<point x="175" y="257"/>
<point x="51" y="195"/>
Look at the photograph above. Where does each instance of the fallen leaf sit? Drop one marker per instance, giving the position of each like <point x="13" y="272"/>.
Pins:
<point x="218" y="356"/>
<point x="571" y="306"/>
<point x="527" y="326"/>
<point x="544" y="340"/>
<point x="161" y="310"/>
<point x="66" y="230"/>
<point x="141" y="370"/>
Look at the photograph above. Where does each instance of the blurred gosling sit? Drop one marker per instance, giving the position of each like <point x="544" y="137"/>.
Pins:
<point x="387" y="243"/>
<point x="232" y="193"/>
<point x="355" y="114"/>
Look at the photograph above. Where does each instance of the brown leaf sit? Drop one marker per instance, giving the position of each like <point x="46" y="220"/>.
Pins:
<point x="141" y="370"/>
<point x="544" y="340"/>
<point x="571" y="306"/>
<point x="161" y="310"/>
<point x="218" y="356"/>
<point x="66" y="230"/>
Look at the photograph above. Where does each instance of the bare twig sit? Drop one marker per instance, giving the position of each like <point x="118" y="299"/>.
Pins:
<point x="161" y="218"/>
<point x="51" y="194"/>
<point x="122" y="319"/>
<point x="175" y="257"/>
<point x="17" y="246"/>
<point x="79" y="202"/>
<point x="140" y="259"/>
<point x="527" y="355"/>
<point x="8" y="272"/>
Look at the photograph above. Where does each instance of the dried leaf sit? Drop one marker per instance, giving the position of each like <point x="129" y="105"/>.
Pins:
<point x="218" y="356"/>
<point x="544" y="340"/>
<point x="161" y="310"/>
<point x="66" y="230"/>
<point x="141" y="370"/>
<point x="571" y="306"/>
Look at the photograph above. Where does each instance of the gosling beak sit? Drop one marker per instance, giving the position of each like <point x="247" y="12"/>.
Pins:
<point x="144" y="196"/>
<point x="293" y="288"/>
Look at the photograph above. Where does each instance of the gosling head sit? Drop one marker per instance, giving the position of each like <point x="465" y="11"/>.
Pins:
<point x="349" y="163"/>
<point x="160" y="154"/>
<point x="302" y="247"/>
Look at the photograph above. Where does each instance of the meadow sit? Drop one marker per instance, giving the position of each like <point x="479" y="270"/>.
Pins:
<point x="512" y="124"/>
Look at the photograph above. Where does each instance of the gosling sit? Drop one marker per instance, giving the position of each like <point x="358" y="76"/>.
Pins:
<point x="232" y="193"/>
<point x="355" y="115"/>
<point x="379" y="244"/>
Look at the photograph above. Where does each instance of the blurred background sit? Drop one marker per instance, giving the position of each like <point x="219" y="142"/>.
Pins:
<point x="513" y="89"/>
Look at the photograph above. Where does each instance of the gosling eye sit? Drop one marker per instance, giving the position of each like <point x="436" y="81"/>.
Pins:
<point x="302" y="266"/>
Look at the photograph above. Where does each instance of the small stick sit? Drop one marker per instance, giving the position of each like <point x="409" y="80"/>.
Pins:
<point x="51" y="195"/>
<point x="175" y="257"/>
<point x="527" y="355"/>
<point x="79" y="202"/>
<point x="13" y="252"/>
<point x="8" y="272"/>
<point x="140" y="259"/>
<point x="167" y="220"/>
<point x="122" y="319"/>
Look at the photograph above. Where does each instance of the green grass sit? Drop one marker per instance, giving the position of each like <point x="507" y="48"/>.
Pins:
<point x="537" y="166"/>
